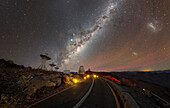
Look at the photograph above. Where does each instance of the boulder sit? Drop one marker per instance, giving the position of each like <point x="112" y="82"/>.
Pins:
<point x="58" y="81"/>
<point x="24" y="80"/>
<point x="67" y="80"/>
<point x="37" y="83"/>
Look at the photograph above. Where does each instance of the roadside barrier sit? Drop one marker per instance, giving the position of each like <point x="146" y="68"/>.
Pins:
<point x="166" y="103"/>
<point x="125" y="97"/>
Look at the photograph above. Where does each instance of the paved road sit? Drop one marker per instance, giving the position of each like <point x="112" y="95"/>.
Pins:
<point x="66" y="99"/>
<point x="100" y="97"/>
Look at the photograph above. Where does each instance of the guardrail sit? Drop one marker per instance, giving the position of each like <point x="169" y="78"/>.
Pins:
<point x="160" y="99"/>
<point x="126" y="98"/>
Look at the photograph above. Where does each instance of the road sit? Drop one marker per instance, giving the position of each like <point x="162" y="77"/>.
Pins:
<point x="100" y="96"/>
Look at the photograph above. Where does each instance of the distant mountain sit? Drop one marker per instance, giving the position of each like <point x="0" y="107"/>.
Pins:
<point x="158" y="71"/>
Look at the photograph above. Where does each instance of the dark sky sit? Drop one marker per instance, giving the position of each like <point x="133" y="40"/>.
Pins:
<point x="104" y="35"/>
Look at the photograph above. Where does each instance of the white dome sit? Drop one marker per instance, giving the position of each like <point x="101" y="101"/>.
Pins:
<point x="81" y="70"/>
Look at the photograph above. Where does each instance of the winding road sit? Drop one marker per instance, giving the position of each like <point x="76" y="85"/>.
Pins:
<point x="92" y="93"/>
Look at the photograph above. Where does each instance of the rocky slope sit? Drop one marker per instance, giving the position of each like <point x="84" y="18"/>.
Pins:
<point x="20" y="85"/>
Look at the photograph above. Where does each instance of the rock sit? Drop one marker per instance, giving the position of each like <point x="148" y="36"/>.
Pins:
<point x="67" y="80"/>
<point x="51" y="77"/>
<point x="24" y="80"/>
<point x="58" y="81"/>
<point x="50" y="84"/>
<point x="19" y="85"/>
<point x="42" y="81"/>
<point x="77" y="76"/>
<point x="4" y="98"/>
<point x="28" y="97"/>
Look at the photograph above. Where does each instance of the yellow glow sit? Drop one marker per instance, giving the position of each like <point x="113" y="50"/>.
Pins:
<point x="85" y="78"/>
<point x="88" y="76"/>
<point x="94" y="76"/>
<point x="146" y="70"/>
<point x="75" y="80"/>
<point x="97" y="76"/>
<point x="143" y="89"/>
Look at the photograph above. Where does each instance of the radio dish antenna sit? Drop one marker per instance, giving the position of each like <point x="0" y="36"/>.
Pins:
<point x="52" y="65"/>
<point x="56" y="68"/>
<point x="44" y="58"/>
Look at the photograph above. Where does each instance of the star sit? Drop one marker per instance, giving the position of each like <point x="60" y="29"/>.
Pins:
<point x="108" y="35"/>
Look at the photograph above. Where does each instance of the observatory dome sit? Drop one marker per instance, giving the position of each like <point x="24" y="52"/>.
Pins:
<point x="81" y="70"/>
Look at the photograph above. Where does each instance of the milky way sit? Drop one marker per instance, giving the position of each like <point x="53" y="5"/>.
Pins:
<point x="104" y="35"/>
<point x="77" y="43"/>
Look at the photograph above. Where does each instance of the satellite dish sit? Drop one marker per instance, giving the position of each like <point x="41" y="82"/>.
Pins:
<point x="52" y="65"/>
<point x="44" y="58"/>
<point x="56" y="68"/>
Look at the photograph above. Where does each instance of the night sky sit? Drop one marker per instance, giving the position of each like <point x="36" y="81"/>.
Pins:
<point x="104" y="35"/>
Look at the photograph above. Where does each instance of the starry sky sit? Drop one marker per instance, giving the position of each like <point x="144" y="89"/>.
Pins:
<point x="103" y="35"/>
